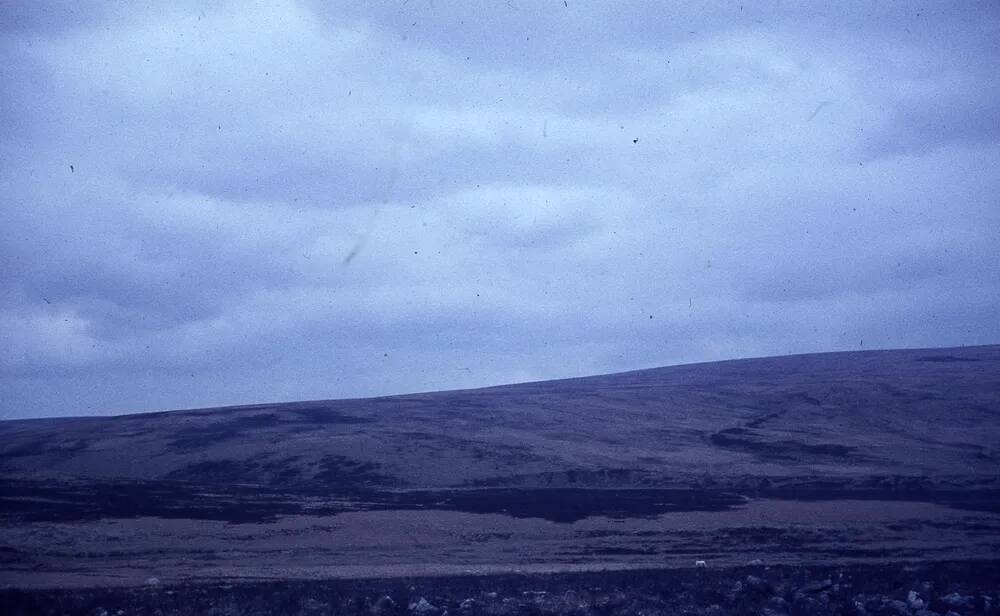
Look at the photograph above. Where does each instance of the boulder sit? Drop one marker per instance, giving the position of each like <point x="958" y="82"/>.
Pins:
<point x="775" y="606"/>
<point x="914" y="601"/>
<point x="814" y="587"/>
<point x="958" y="601"/>
<point x="383" y="605"/>
<point x="900" y="607"/>
<point x="755" y="586"/>
<point x="423" y="607"/>
<point x="309" y="605"/>
<point x="807" y="605"/>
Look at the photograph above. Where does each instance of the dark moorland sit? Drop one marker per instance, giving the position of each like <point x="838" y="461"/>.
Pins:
<point x="839" y="466"/>
<point x="943" y="588"/>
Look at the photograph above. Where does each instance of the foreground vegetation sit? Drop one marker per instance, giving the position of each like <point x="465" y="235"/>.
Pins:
<point x="895" y="589"/>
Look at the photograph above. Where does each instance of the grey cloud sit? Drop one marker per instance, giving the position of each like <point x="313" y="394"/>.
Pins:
<point x="966" y="117"/>
<point x="525" y="191"/>
<point x="48" y="17"/>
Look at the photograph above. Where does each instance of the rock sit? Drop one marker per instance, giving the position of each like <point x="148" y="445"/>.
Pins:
<point x="958" y="601"/>
<point x="752" y="581"/>
<point x="756" y="562"/>
<point x="311" y="605"/>
<point x="467" y="604"/>
<point x="775" y="606"/>
<point x="814" y="587"/>
<point x="383" y="605"/>
<point x="152" y="581"/>
<point x="900" y="607"/>
<point x="914" y="601"/>
<point x="756" y="586"/>
<point x="423" y="607"/>
<point x="807" y="605"/>
<point x="926" y="613"/>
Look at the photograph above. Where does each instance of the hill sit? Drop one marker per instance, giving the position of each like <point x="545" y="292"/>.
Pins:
<point x="848" y="418"/>
<point x="829" y="458"/>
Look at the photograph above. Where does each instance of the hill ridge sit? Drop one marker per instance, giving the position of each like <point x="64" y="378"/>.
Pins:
<point x="847" y="416"/>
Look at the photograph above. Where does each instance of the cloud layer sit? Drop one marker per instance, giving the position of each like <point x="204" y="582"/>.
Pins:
<point x="210" y="204"/>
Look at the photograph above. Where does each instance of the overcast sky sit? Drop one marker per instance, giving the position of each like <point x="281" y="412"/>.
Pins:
<point x="207" y="204"/>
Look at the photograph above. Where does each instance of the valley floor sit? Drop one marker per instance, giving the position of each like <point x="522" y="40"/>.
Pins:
<point x="106" y="538"/>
